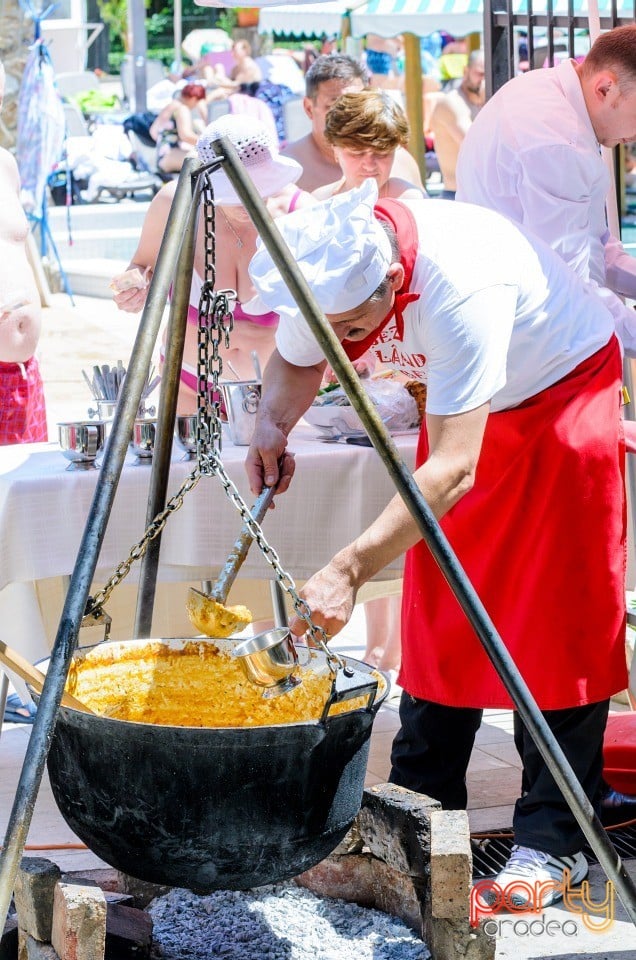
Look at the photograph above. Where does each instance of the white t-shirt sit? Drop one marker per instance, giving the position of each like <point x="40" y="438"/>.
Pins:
<point x="532" y="155"/>
<point x="500" y="317"/>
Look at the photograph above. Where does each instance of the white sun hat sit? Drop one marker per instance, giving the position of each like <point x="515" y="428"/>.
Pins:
<point x="256" y="149"/>
<point x="342" y="251"/>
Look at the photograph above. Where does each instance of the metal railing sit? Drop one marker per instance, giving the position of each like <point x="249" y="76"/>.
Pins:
<point x="551" y="27"/>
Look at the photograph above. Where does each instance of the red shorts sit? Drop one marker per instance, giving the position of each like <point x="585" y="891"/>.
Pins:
<point x="22" y="407"/>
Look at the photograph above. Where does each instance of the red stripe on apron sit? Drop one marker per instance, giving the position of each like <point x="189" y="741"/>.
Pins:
<point x="541" y="536"/>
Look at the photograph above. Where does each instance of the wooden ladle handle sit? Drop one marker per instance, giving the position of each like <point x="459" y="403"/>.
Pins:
<point x="16" y="662"/>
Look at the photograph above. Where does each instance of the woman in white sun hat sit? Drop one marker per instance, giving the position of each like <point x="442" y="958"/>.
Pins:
<point x="274" y="176"/>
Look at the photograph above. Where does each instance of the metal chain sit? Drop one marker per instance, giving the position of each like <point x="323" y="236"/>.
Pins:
<point x="153" y="529"/>
<point x="215" y="324"/>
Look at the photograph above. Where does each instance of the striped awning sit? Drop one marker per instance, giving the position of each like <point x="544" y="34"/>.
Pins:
<point x="304" y="19"/>
<point x="459" y="17"/>
<point x="390" y="17"/>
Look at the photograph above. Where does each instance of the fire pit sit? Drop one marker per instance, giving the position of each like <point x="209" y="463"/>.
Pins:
<point x="279" y="923"/>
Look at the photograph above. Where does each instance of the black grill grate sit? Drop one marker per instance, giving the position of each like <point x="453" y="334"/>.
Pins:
<point x="490" y="856"/>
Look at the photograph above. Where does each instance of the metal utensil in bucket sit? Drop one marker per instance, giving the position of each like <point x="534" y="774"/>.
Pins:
<point x="241" y="399"/>
<point x="270" y="660"/>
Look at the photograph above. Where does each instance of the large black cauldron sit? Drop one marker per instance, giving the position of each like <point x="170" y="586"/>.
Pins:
<point x="210" y="809"/>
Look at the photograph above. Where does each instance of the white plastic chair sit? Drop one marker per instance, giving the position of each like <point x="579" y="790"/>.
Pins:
<point x="76" y="125"/>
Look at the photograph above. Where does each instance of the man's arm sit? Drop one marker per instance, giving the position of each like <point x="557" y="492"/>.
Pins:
<point x="287" y="392"/>
<point x="447" y="475"/>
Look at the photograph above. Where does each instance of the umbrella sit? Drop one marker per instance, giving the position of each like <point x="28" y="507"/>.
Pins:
<point x="193" y="41"/>
<point x="41" y="127"/>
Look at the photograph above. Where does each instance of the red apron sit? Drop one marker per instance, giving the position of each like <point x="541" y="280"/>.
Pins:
<point x="541" y="536"/>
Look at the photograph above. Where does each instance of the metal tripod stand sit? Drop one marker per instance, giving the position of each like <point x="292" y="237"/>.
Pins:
<point x="176" y="259"/>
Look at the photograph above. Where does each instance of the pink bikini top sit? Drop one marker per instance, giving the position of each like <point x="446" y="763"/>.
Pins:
<point x="262" y="320"/>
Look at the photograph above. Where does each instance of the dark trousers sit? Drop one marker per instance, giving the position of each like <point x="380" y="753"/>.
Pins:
<point x="432" y="749"/>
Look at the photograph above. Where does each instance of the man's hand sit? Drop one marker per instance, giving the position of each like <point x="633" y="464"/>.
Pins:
<point x="331" y="597"/>
<point x="268" y="462"/>
<point x="286" y="393"/>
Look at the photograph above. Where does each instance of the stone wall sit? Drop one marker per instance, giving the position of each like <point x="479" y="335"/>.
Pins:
<point x="16" y="32"/>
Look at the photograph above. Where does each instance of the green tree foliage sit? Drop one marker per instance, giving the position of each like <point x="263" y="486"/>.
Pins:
<point x="159" y="23"/>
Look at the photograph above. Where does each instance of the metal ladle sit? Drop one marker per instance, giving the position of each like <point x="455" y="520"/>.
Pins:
<point x="208" y="612"/>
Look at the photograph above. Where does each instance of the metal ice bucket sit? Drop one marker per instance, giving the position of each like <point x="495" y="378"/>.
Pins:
<point x="143" y="439"/>
<point x="185" y="432"/>
<point x="81" y="441"/>
<point x="241" y="398"/>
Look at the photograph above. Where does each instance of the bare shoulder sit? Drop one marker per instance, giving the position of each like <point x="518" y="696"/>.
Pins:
<point x="399" y="189"/>
<point x="299" y="149"/>
<point x="164" y="197"/>
<point x="405" y="168"/>
<point x="323" y="193"/>
<point x="449" y="105"/>
<point x="279" y="204"/>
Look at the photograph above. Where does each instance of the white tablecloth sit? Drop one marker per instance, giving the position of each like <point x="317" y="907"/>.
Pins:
<point x="337" y="491"/>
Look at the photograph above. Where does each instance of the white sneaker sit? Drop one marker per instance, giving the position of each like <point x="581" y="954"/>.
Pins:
<point x="536" y="879"/>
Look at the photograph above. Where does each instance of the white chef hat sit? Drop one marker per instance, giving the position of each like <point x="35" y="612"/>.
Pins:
<point x="342" y="251"/>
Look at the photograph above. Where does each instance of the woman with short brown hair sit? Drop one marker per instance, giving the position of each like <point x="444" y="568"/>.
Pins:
<point x="365" y="129"/>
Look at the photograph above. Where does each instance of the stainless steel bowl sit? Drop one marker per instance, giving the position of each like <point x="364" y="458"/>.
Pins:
<point x="143" y="439"/>
<point x="81" y="441"/>
<point x="185" y="433"/>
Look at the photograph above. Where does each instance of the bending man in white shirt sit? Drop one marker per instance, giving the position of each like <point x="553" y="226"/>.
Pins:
<point x="523" y="372"/>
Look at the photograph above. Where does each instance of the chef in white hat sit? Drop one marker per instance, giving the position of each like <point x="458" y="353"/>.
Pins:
<point x="521" y="459"/>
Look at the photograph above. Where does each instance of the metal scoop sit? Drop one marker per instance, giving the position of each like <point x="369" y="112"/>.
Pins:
<point x="208" y="612"/>
<point x="270" y="660"/>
